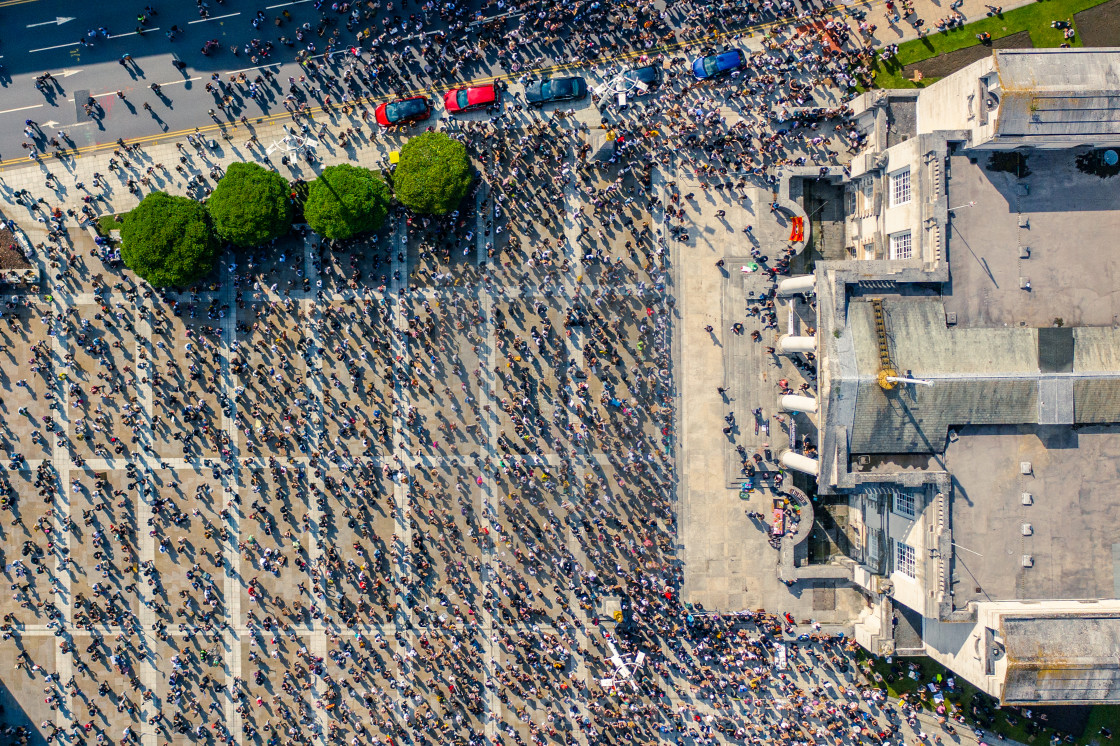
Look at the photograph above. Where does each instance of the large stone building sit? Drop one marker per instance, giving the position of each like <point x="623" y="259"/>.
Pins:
<point x="968" y="353"/>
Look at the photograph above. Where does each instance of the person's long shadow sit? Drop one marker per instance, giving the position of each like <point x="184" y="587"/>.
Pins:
<point x="159" y="120"/>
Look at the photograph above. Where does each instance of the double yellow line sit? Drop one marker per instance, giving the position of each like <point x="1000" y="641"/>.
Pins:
<point x="6" y="3"/>
<point x="270" y="118"/>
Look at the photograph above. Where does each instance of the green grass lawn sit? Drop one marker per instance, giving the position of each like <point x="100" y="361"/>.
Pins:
<point x="106" y="223"/>
<point x="1007" y="721"/>
<point x="1034" y="18"/>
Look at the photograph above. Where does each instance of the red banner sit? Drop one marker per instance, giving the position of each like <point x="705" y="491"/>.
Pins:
<point x="798" y="232"/>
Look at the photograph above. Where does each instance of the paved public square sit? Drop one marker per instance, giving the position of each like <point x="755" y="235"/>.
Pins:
<point x="463" y="480"/>
<point x="456" y="450"/>
<point x="421" y="495"/>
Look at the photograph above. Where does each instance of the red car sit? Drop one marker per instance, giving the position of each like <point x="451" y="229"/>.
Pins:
<point x="403" y="111"/>
<point x="476" y="97"/>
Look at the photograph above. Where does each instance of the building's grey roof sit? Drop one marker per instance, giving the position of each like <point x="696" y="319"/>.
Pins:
<point x="1057" y="71"/>
<point x="1029" y="115"/>
<point x="1047" y="93"/>
<point x="1073" y="514"/>
<point x="1097" y="400"/>
<point x="981" y="376"/>
<point x="916" y="419"/>
<point x="1061" y="659"/>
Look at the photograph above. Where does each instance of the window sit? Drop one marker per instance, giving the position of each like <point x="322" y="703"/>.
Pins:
<point x="900" y="187"/>
<point x="904" y="504"/>
<point x="904" y="559"/>
<point x="874" y="550"/>
<point x="900" y="245"/>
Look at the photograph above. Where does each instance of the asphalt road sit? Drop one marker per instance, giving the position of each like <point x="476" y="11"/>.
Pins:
<point x="42" y="37"/>
<point x="38" y="37"/>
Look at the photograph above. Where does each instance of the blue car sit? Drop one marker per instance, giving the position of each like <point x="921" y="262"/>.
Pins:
<point x="718" y="64"/>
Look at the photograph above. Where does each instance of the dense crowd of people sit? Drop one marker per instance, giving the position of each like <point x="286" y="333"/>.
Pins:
<point x="422" y="464"/>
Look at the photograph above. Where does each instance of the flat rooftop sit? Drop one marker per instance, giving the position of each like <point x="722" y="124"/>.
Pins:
<point x="1070" y="221"/>
<point x="1074" y="515"/>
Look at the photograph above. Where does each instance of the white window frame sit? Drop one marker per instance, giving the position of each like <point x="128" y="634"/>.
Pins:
<point x="901" y="245"/>
<point x="905" y="559"/>
<point x="901" y="193"/>
<point x="904" y="504"/>
<point x="874" y="539"/>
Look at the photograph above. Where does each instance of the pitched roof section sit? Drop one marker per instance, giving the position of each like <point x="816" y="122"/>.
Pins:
<point x="1061" y="659"/>
<point x="981" y="376"/>
<point x="1046" y="94"/>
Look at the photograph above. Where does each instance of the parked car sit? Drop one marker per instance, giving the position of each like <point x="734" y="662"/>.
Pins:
<point x="546" y="90"/>
<point x="403" y="111"/>
<point x="647" y="75"/>
<point x="475" y="97"/>
<point x="718" y="64"/>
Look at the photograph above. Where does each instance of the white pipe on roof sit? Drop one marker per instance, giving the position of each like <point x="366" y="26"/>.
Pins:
<point x="788" y="344"/>
<point x="798" y="462"/>
<point x="793" y="285"/>
<point x="798" y="403"/>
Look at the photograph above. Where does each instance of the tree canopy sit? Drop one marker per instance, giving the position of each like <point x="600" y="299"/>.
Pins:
<point x="250" y="205"/>
<point x="169" y="241"/>
<point x="433" y="175"/>
<point x="346" y="200"/>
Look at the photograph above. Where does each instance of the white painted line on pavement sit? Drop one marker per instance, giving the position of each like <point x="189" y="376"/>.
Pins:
<point x="180" y="80"/>
<point x="214" y="18"/>
<point x="247" y="69"/>
<point x="507" y="14"/>
<point x="284" y="5"/>
<point x="22" y="108"/>
<point x="133" y="33"/>
<point x="161" y="85"/>
<point x="56" y="46"/>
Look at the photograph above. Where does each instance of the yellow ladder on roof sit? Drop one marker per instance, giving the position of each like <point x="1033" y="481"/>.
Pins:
<point x="886" y="365"/>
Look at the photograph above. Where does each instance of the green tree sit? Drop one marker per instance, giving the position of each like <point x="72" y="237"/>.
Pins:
<point x="433" y="175"/>
<point x="346" y="200"/>
<point x="250" y="205"/>
<point x="169" y="241"/>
